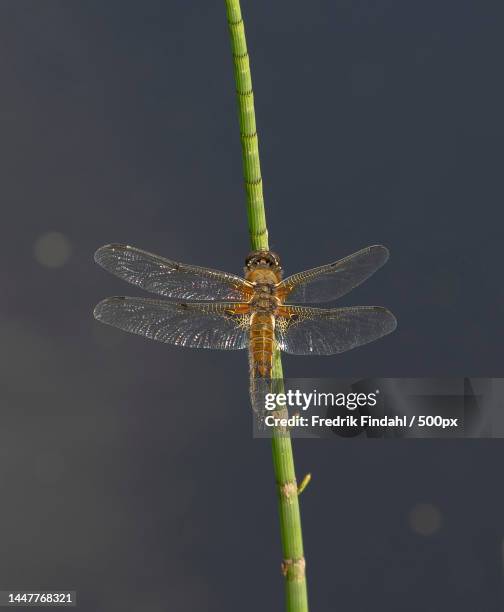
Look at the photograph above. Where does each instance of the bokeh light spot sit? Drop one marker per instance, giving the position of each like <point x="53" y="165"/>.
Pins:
<point x="425" y="519"/>
<point x="52" y="249"/>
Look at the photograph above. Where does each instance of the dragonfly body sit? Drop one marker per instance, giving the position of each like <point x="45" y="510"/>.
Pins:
<point x="258" y="312"/>
<point x="263" y="272"/>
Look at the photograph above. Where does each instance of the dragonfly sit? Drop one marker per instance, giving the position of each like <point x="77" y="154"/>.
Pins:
<point x="207" y="308"/>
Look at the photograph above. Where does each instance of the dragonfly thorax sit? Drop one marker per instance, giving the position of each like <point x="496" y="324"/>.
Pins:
<point x="264" y="298"/>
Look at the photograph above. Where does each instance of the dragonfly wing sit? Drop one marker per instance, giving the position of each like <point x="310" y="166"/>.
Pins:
<point x="214" y="325"/>
<point x="315" y="331"/>
<point x="169" y="278"/>
<point x="333" y="280"/>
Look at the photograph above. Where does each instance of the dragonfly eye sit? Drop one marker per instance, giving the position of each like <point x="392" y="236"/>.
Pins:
<point x="262" y="258"/>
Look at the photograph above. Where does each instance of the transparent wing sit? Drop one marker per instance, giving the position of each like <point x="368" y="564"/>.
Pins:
<point x="315" y="331"/>
<point x="169" y="278"/>
<point x="333" y="280"/>
<point x="215" y="325"/>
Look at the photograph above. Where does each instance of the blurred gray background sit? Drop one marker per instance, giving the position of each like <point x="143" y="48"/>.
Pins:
<point x="127" y="468"/>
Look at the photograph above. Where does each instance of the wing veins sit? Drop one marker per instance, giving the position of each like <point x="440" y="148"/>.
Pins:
<point x="315" y="331"/>
<point x="332" y="281"/>
<point x="196" y="325"/>
<point x="169" y="278"/>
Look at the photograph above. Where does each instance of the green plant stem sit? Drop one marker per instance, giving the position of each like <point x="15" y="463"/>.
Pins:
<point x="248" y="131"/>
<point x="293" y="565"/>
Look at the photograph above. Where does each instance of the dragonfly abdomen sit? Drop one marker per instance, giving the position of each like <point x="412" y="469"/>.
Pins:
<point x="261" y="344"/>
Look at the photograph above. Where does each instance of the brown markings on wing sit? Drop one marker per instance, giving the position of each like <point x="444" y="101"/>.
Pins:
<point x="285" y="312"/>
<point x="239" y="309"/>
<point x="246" y="291"/>
<point x="281" y="292"/>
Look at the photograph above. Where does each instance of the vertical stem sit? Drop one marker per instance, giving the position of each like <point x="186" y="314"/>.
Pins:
<point x="293" y="565"/>
<point x="248" y="132"/>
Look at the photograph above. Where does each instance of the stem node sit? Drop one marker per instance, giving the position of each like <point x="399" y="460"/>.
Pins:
<point x="288" y="490"/>
<point x="294" y="569"/>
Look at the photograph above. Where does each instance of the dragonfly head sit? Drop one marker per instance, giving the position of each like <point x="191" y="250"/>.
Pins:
<point x="263" y="260"/>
